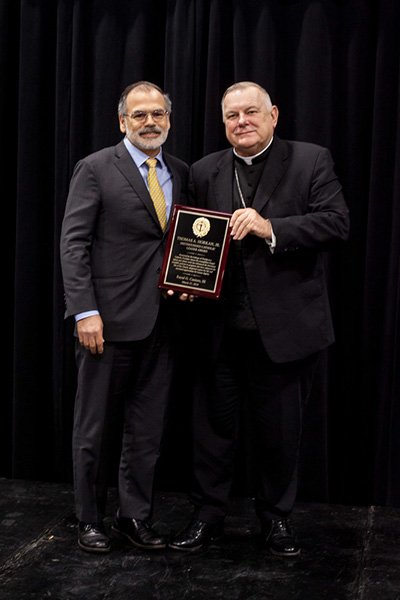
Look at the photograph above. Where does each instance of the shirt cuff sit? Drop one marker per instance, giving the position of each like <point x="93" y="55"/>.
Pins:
<point x="272" y="242"/>
<point x="84" y="315"/>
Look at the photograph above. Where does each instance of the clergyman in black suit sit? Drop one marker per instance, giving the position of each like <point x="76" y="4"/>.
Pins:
<point x="112" y="245"/>
<point x="261" y="340"/>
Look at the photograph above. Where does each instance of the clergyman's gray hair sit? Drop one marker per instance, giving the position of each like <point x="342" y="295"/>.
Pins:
<point x="242" y="85"/>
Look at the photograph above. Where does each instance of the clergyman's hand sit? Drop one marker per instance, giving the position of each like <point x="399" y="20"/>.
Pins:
<point x="90" y="333"/>
<point x="248" y="220"/>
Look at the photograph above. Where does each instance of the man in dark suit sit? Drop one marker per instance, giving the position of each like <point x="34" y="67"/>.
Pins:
<point x="262" y="339"/>
<point x="112" y="245"/>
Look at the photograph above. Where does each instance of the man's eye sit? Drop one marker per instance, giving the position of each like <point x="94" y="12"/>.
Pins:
<point x="231" y="117"/>
<point x="139" y="115"/>
<point x="252" y="112"/>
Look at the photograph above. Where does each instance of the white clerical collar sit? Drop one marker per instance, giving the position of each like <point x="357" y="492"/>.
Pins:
<point x="249" y="159"/>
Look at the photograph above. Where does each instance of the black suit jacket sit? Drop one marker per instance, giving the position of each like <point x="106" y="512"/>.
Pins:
<point x="300" y="194"/>
<point x="112" y="245"/>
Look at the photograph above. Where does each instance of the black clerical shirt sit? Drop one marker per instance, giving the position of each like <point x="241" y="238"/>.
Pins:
<point x="239" y="311"/>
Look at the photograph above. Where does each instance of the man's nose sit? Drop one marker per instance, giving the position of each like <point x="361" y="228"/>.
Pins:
<point x="242" y="118"/>
<point x="149" y="116"/>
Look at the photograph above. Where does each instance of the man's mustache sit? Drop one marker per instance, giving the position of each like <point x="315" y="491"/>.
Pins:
<point x="150" y="129"/>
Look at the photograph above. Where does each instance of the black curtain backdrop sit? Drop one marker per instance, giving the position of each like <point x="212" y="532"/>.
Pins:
<point x="332" y="67"/>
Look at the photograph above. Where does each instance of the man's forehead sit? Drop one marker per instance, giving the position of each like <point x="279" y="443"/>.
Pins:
<point x="141" y="96"/>
<point x="243" y="98"/>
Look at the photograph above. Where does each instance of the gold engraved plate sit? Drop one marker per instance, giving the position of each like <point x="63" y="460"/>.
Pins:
<point x="201" y="227"/>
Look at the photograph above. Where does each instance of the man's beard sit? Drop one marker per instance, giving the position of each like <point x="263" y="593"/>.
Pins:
<point x="147" y="143"/>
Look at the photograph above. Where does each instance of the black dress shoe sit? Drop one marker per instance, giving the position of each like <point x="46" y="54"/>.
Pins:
<point x="139" y="533"/>
<point x="93" y="538"/>
<point x="197" y="535"/>
<point x="280" y="538"/>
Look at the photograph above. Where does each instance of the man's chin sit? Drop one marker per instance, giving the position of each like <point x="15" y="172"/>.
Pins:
<point x="246" y="142"/>
<point x="149" y="143"/>
<point x="249" y="147"/>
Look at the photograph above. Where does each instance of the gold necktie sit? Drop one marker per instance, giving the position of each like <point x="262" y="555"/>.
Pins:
<point x="156" y="193"/>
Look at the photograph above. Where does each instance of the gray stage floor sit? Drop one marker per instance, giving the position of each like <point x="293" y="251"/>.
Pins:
<point x="349" y="553"/>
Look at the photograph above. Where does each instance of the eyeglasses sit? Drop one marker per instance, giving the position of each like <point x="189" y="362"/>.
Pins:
<point x="140" y="115"/>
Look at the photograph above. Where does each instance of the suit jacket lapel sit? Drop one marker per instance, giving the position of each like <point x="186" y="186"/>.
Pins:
<point x="222" y="180"/>
<point x="126" y="165"/>
<point x="272" y="174"/>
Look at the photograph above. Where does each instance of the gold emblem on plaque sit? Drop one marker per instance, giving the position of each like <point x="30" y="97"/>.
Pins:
<point x="201" y="227"/>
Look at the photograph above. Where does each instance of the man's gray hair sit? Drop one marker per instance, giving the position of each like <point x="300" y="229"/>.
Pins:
<point x="242" y="85"/>
<point x="146" y="85"/>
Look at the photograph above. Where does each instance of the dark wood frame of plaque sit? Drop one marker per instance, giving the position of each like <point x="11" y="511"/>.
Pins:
<point x="204" y="277"/>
